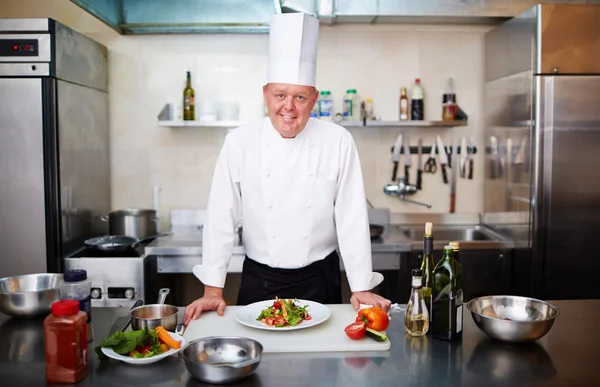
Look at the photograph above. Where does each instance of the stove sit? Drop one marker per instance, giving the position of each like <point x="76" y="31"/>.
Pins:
<point x="118" y="279"/>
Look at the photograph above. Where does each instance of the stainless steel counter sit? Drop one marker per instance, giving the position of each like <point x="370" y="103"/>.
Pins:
<point x="564" y="357"/>
<point x="180" y="252"/>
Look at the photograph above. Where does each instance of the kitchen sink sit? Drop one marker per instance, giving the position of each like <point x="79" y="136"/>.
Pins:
<point x="469" y="237"/>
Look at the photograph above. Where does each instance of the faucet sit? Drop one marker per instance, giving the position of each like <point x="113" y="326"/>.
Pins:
<point x="401" y="189"/>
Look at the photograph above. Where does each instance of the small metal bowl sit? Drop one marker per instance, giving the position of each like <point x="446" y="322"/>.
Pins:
<point x="513" y="319"/>
<point x="207" y="358"/>
<point x="30" y="295"/>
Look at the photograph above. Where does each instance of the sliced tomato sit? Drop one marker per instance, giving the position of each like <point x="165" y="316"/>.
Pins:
<point x="270" y="321"/>
<point x="356" y="330"/>
<point x="280" y="321"/>
<point x="277" y="305"/>
<point x="307" y="317"/>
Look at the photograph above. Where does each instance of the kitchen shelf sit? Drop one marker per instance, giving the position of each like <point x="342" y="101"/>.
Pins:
<point x="403" y="124"/>
<point x="200" y="124"/>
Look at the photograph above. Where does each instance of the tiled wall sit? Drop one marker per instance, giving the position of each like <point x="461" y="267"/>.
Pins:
<point x="148" y="71"/>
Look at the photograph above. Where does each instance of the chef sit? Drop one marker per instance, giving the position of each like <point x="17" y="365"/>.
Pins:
<point x="297" y="186"/>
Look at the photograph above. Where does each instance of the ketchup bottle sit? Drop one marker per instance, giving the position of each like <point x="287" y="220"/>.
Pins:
<point x="65" y="339"/>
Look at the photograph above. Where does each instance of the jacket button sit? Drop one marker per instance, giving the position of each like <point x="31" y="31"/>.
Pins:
<point x="304" y="236"/>
<point x="268" y="174"/>
<point x="273" y="235"/>
<point x="311" y="174"/>
<point x="308" y="205"/>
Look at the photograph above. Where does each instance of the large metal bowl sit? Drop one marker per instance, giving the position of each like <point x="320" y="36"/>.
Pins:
<point x="513" y="319"/>
<point x="30" y="295"/>
<point x="203" y="356"/>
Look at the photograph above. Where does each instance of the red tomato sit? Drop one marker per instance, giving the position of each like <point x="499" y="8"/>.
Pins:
<point x="277" y="305"/>
<point x="356" y="330"/>
<point x="375" y="318"/>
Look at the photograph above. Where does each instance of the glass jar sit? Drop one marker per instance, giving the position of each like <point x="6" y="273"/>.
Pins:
<point x="65" y="342"/>
<point x="77" y="286"/>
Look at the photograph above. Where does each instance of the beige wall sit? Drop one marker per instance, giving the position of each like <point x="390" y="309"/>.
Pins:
<point x="148" y="71"/>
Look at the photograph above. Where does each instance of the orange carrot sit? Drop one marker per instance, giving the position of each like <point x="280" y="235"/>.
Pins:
<point x="166" y="338"/>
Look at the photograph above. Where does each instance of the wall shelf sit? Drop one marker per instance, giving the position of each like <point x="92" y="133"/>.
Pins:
<point x="199" y="124"/>
<point x="403" y="124"/>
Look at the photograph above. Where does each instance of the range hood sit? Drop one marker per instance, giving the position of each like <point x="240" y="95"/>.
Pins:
<point x="253" y="16"/>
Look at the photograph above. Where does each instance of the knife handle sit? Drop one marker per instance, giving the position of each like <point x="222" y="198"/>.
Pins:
<point x="406" y="169"/>
<point x="419" y="179"/>
<point x="444" y="174"/>
<point x="470" y="169"/>
<point x="452" y="203"/>
<point x="395" y="171"/>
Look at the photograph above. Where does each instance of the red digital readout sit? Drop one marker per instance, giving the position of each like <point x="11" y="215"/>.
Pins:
<point x="15" y="47"/>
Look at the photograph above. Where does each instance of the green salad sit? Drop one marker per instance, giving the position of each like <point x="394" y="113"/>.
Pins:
<point x="284" y="313"/>
<point x="136" y="344"/>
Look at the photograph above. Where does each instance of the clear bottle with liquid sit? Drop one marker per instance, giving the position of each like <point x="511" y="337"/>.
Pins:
<point x="427" y="266"/>
<point x="416" y="315"/>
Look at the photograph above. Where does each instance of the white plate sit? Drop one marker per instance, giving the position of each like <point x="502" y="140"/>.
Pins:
<point x="248" y="314"/>
<point x="147" y="360"/>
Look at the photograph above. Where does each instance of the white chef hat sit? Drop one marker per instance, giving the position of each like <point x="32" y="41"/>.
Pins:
<point x="293" y="41"/>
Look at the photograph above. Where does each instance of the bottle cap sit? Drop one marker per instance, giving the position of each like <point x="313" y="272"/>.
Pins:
<point x="417" y="273"/>
<point x="448" y="248"/>
<point x="65" y="307"/>
<point x="455" y="245"/>
<point x="417" y="80"/>
<point x="75" y="275"/>
<point x="325" y="92"/>
<point x="352" y="91"/>
<point x="369" y="100"/>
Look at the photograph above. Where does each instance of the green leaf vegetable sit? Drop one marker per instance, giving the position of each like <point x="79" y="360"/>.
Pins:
<point x="125" y="342"/>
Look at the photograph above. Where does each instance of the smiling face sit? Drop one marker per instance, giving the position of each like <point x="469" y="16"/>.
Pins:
<point x="289" y="106"/>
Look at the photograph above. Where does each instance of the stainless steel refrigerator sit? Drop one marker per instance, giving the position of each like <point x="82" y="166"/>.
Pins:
<point x="542" y="124"/>
<point x="54" y="160"/>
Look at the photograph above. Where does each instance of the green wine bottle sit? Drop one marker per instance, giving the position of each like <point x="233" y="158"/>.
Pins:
<point x="188" y="100"/>
<point x="427" y="266"/>
<point x="447" y="308"/>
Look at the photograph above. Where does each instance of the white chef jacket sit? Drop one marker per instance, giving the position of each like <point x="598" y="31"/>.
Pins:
<point x="299" y="199"/>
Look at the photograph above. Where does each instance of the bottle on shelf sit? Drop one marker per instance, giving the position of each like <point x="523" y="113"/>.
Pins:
<point x="416" y="315"/>
<point x="427" y="266"/>
<point x="449" y="106"/>
<point x="325" y="106"/>
<point x="404" y="110"/>
<point x="188" y="100"/>
<point x="370" y="112"/>
<point x="447" y="307"/>
<point x="417" y="108"/>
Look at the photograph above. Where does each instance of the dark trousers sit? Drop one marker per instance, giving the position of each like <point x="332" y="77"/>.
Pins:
<point x="319" y="282"/>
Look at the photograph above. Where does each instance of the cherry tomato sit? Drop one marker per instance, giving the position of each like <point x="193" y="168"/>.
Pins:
<point x="375" y="318"/>
<point x="277" y="305"/>
<point x="356" y="330"/>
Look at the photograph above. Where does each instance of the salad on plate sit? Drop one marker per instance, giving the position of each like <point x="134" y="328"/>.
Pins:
<point x="284" y="313"/>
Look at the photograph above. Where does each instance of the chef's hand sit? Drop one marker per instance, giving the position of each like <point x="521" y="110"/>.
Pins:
<point x="369" y="298"/>
<point x="212" y="300"/>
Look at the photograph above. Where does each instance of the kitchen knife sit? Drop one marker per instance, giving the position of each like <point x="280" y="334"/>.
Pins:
<point x="406" y="161"/>
<point x="443" y="158"/>
<point x="463" y="157"/>
<point x="470" y="154"/>
<point x="520" y="160"/>
<point x="396" y="156"/>
<point x="453" y="173"/>
<point x="419" y="165"/>
<point x="494" y="157"/>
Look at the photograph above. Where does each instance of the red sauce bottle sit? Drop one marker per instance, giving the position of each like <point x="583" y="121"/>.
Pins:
<point x="65" y="336"/>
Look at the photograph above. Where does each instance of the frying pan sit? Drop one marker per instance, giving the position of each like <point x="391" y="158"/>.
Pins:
<point x="118" y="243"/>
<point x="376" y="230"/>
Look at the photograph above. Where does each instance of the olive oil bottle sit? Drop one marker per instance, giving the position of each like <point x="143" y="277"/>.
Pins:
<point x="427" y="265"/>
<point x="416" y="315"/>
<point x="447" y="305"/>
<point x="188" y="100"/>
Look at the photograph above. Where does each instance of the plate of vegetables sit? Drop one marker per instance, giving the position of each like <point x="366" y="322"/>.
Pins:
<point x="141" y="347"/>
<point x="283" y="314"/>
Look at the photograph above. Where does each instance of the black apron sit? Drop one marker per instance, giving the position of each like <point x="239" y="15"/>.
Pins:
<point x="319" y="282"/>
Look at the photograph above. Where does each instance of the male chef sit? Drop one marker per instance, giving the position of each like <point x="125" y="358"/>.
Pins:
<point x="297" y="185"/>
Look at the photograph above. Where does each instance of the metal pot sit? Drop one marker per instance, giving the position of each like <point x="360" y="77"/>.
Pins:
<point x="134" y="222"/>
<point x="155" y="315"/>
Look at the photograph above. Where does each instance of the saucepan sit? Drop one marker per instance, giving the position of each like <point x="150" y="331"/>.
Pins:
<point x="118" y="243"/>
<point x="154" y="315"/>
<point x="376" y="230"/>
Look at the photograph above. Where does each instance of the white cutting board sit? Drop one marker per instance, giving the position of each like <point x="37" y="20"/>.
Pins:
<point x="325" y="337"/>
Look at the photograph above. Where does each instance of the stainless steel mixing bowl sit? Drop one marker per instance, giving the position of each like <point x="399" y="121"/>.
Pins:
<point x="213" y="359"/>
<point x="513" y="319"/>
<point x="30" y="295"/>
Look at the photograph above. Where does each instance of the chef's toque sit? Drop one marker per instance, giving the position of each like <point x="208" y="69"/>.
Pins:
<point x="293" y="41"/>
